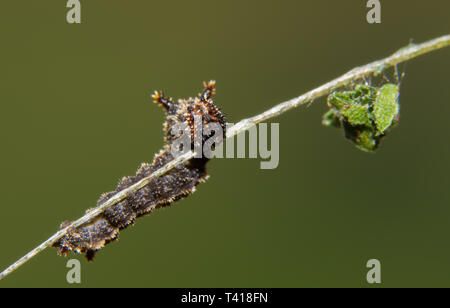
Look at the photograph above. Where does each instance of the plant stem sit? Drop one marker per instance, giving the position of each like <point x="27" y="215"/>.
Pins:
<point x="374" y="68"/>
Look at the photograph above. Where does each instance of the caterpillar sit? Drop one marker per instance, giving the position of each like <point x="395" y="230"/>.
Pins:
<point x="176" y="184"/>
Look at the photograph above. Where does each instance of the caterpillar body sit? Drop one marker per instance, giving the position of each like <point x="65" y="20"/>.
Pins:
<point x="161" y="191"/>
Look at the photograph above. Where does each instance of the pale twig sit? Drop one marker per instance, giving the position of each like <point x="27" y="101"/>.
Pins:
<point x="374" y="68"/>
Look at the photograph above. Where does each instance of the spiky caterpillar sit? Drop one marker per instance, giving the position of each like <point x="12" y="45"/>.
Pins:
<point x="162" y="191"/>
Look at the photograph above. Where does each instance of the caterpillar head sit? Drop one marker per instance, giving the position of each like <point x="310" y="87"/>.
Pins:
<point x="192" y="116"/>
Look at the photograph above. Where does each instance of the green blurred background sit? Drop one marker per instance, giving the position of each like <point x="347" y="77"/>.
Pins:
<point x="76" y="116"/>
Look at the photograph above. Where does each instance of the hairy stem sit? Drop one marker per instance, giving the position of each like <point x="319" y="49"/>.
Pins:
<point x="374" y="68"/>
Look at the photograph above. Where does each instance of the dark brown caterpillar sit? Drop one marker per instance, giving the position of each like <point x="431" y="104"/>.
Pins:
<point x="174" y="185"/>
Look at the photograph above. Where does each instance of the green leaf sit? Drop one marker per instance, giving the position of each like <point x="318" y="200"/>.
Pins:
<point x="331" y="119"/>
<point x="339" y="100"/>
<point x="357" y="115"/>
<point x="386" y="107"/>
<point x="366" y="141"/>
